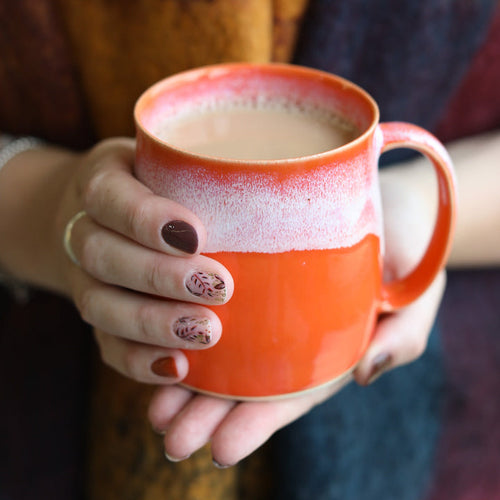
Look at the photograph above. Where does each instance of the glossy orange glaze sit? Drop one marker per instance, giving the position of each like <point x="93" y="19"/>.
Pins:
<point x="296" y="320"/>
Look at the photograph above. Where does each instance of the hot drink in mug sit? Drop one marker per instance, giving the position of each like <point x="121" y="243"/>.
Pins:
<point x="265" y="130"/>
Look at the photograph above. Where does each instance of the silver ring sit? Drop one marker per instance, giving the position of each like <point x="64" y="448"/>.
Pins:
<point x="67" y="237"/>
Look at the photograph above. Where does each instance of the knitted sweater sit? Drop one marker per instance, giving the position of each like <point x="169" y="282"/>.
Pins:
<point x="70" y="72"/>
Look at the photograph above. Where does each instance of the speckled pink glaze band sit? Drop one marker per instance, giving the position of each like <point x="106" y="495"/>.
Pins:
<point x="330" y="208"/>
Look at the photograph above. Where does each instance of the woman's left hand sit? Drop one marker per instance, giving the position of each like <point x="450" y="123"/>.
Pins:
<point x="236" y="429"/>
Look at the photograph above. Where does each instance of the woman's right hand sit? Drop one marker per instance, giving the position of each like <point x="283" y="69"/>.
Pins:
<point x="139" y="280"/>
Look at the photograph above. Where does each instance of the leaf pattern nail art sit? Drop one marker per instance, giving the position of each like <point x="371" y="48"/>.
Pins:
<point x="194" y="329"/>
<point x="207" y="285"/>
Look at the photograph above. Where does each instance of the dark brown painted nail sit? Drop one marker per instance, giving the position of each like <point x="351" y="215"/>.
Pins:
<point x="180" y="235"/>
<point x="165" y="367"/>
<point x="381" y="364"/>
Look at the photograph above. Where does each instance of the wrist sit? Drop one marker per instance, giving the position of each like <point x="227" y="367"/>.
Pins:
<point x="11" y="146"/>
<point x="414" y="178"/>
<point x="409" y="200"/>
<point x="31" y="184"/>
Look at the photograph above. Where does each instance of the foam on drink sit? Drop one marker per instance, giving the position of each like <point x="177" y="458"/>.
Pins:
<point x="262" y="130"/>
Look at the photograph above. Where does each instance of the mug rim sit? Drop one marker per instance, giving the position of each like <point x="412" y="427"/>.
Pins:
<point x="284" y="68"/>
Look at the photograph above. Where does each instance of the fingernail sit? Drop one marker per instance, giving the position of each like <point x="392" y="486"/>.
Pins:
<point x="180" y="235"/>
<point x="161" y="432"/>
<point x="175" y="459"/>
<point x="220" y="466"/>
<point x="165" y="367"/>
<point x="381" y="364"/>
<point x="197" y="330"/>
<point x="207" y="285"/>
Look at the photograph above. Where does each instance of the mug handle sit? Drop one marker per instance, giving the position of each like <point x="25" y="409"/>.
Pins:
<point x="400" y="292"/>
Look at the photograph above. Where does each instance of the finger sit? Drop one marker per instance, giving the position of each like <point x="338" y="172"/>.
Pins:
<point x="194" y="425"/>
<point x="118" y="201"/>
<point x="166" y="402"/>
<point x="145" y="319"/>
<point x="235" y="429"/>
<point x="146" y="364"/>
<point x="114" y="259"/>
<point x="401" y="337"/>
<point x="251" y="424"/>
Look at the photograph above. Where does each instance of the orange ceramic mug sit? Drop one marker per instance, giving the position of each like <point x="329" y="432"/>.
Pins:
<point x="302" y="236"/>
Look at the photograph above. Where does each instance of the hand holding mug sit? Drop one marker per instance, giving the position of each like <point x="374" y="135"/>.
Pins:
<point x="134" y="252"/>
<point x="122" y="225"/>
<point x="234" y="430"/>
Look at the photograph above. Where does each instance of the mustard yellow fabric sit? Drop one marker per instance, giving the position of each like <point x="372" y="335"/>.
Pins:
<point x="123" y="46"/>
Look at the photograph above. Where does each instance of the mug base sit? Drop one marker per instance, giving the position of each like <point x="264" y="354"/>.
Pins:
<point x="337" y="380"/>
